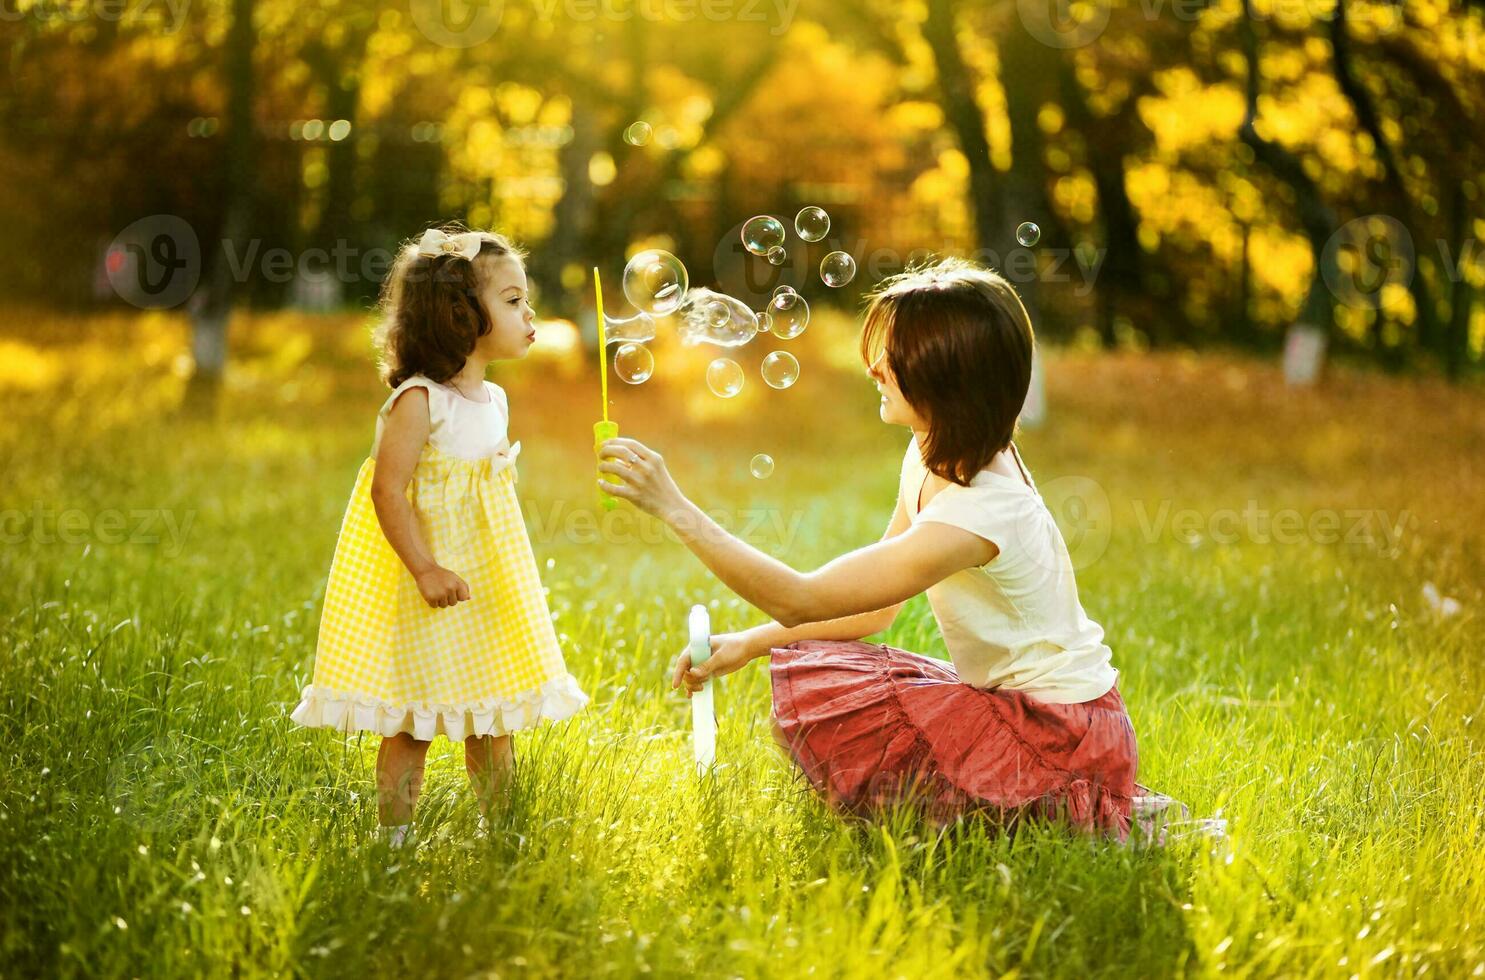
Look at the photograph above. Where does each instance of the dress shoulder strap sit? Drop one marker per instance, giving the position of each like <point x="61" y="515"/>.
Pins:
<point x="1025" y="475"/>
<point x="436" y="396"/>
<point x="437" y="406"/>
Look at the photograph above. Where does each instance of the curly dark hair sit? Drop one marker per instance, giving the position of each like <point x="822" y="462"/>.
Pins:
<point x="431" y="314"/>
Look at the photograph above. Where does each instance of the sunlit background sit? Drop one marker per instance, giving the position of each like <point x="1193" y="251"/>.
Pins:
<point x="1255" y="280"/>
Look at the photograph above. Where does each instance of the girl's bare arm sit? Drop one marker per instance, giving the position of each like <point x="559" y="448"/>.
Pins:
<point x="403" y="437"/>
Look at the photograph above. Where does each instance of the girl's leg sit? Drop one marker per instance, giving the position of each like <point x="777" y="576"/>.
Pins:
<point x="399" y="777"/>
<point x="488" y="758"/>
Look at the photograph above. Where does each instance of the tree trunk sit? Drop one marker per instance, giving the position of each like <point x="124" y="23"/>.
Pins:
<point x="1429" y="334"/>
<point x="957" y="98"/>
<point x="342" y="98"/>
<point x="211" y="307"/>
<point x="1121" y="275"/>
<point x="1461" y="296"/>
<point x="1315" y="215"/>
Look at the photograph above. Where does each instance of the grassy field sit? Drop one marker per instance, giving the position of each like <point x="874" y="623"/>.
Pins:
<point x="160" y="815"/>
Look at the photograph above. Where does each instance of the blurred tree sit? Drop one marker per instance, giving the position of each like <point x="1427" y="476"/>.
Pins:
<point x="211" y="305"/>
<point x="1191" y="162"/>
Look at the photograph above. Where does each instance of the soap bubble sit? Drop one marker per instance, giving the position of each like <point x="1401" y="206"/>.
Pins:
<point x="761" y="233"/>
<point x="761" y="466"/>
<point x="638" y="133"/>
<point x="716" y="313"/>
<point x="780" y="369"/>
<point x="790" y="314"/>
<point x="656" y="282"/>
<point x="639" y="328"/>
<point x="837" y="269"/>
<point x="777" y="255"/>
<point x="715" y="318"/>
<point x="634" y="363"/>
<point x="783" y="288"/>
<point x="765" y="322"/>
<point x="1028" y="234"/>
<point x="812" y="223"/>
<point x="724" y="377"/>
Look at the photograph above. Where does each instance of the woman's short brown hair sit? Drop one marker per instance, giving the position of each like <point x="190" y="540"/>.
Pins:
<point x="431" y="314"/>
<point x="958" y="343"/>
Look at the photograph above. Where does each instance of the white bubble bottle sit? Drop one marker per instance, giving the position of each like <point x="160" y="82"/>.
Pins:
<point x="703" y="704"/>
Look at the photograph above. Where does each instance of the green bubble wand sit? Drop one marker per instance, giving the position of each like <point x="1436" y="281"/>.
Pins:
<point x="605" y="430"/>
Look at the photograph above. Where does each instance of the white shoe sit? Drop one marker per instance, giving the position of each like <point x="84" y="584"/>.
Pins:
<point x="398" y="836"/>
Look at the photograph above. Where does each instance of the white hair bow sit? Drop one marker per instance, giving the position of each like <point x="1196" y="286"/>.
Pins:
<point x="436" y="242"/>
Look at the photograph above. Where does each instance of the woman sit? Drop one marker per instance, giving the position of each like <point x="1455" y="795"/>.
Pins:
<point x="1028" y="719"/>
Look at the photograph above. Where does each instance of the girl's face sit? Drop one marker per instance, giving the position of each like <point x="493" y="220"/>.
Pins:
<point x="512" y="319"/>
<point x="895" y="410"/>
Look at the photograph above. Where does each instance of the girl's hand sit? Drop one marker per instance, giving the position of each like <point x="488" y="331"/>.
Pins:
<point x="647" y="483"/>
<point x="442" y="588"/>
<point x="730" y="651"/>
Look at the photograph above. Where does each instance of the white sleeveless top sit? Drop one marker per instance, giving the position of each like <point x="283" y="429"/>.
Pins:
<point x="459" y="426"/>
<point x="1015" y="622"/>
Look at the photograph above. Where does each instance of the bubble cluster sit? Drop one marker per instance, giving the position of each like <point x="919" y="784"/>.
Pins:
<point x="761" y="466"/>
<point x="780" y="369"/>
<point x="762" y="233"/>
<point x="1028" y="234"/>
<point x="724" y="377"/>
<point x="634" y="363"/>
<point x="710" y="317"/>
<point x="812" y="223"/>
<point x="790" y="314"/>
<point x="837" y="269"/>
<point x="639" y="328"/>
<point x="656" y="282"/>
<point x="638" y="133"/>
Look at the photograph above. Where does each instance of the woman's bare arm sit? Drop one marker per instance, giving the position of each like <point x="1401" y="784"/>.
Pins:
<point x="862" y="581"/>
<point x="769" y="635"/>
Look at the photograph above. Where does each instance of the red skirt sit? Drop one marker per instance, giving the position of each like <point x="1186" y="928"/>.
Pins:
<point x="872" y="726"/>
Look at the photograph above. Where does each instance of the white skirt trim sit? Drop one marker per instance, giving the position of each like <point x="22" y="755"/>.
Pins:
<point x="555" y="700"/>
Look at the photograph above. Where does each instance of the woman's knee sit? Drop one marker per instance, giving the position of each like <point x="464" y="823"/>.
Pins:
<point x="780" y="737"/>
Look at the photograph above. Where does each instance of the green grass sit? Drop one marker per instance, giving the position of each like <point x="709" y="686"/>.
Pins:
<point x="160" y="815"/>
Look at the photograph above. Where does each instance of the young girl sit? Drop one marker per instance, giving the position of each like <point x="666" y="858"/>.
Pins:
<point x="434" y="620"/>
<point x="1028" y="718"/>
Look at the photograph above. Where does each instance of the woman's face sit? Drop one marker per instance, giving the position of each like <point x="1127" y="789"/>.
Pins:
<point x="513" y="329"/>
<point x="895" y="410"/>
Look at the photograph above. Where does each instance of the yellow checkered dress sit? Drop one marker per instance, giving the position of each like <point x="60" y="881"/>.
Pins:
<point x="386" y="661"/>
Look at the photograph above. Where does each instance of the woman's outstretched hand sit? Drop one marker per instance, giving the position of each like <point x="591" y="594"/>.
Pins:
<point x="730" y="651"/>
<point x="647" y="483"/>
